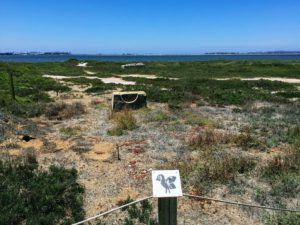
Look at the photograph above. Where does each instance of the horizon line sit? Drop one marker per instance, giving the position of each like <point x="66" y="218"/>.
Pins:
<point x="153" y="54"/>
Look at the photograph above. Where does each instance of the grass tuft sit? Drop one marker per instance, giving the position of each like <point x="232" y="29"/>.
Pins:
<point x="123" y="121"/>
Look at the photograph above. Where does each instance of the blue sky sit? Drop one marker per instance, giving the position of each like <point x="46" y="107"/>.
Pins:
<point x="149" y="26"/>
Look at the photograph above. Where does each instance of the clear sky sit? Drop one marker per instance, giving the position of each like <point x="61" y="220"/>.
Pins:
<point x="149" y="26"/>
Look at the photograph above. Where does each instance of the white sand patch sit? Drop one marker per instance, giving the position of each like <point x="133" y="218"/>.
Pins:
<point x="106" y="80"/>
<point x="82" y="64"/>
<point x="140" y="75"/>
<point x="117" y="80"/>
<point x="89" y="72"/>
<point x="147" y="76"/>
<point x="58" y="77"/>
<point x="281" y="79"/>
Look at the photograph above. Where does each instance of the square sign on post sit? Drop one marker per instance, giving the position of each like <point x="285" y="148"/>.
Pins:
<point x="166" y="183"/>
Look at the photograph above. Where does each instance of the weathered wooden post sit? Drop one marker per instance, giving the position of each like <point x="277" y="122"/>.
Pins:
<point x="166" y="187"/>
<point x="118" y="152"/>
<point x="12" y="87"/>
<point x="167" y="211"/>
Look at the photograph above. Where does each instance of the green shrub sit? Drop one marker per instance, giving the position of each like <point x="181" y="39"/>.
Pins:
<point x="286" y="185"/>
<point x="198" y="119"/>
<point x="221" y="171"/>
<point x="63" y="111"/>
<point x="294" y="132"/>
<point x="156" y="116"/>
<point x="140" y="213"/>
<point x="70" y="131"/>
<point x="248" y="140"/>
<point x="289" y="94"/>
<point x="29" y="196"/>
<point x="282" y="219"/>
<point x="261" y="196"/>
<point x="205" y="137"/>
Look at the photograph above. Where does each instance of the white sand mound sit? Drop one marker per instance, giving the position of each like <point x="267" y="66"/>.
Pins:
<point x="147" y="76"/>
<point x="116" y="80"/>
<point x="106" y="80"/>
<point x="140" y="75"/>
<point x="82" y="64"/>
<point x="89" y="72"/>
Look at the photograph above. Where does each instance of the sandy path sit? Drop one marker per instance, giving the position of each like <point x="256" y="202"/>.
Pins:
<point x="106" y="80"/>
<point x="147" y="76"/>
<point x="89" y="72"/>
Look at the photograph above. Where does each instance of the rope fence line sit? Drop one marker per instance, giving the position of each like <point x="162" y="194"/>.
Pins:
<point x="239" y="203"/>
<point x="189" y="196"/>
<point x="112" y="210"/>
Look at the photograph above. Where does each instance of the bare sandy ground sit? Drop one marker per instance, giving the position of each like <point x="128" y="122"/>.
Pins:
<point x="147" y="76"/>
<point x="140" y="75"/>
<point x="117" y="80"/>
<point x="89" y="72"/>
<point x="82" y="64"/>
<point x="108" y="180"/>
<point x="281" y="79"/>
<point x="106" y="80"/>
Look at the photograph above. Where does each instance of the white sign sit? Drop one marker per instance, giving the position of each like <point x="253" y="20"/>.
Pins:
<point x="166" y="183"/>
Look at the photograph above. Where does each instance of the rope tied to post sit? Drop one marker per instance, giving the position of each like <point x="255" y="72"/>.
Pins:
<point x="112" y="210"/>
<point x="129" y="102"/>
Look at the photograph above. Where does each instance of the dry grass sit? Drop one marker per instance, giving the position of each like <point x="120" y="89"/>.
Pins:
<point x="63" y="111"/>
<point x="70" y="131"/>
<point x="29" y="156"/>
<point x="199" y="120"/>
<point x="205" y="137"/>
<point x="123" y="121"/>
<point x="220" y="170"/>
<point x="281" y="164"/>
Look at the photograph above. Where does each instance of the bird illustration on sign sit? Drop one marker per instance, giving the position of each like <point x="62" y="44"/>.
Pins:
<point x="166" y="183"/>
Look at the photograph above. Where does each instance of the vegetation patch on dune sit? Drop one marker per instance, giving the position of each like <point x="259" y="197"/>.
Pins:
<point x="30" y="196"/>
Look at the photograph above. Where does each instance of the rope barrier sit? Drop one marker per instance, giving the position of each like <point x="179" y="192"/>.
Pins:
<point x="112" y="210"/>
<point x="190" y="196"/>
<point x="240" y="204"/>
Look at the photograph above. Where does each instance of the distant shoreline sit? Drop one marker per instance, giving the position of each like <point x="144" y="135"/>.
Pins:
<point x="35" y="53"/>
<point x="56" y="53"/>
<point x="145" y="58"/>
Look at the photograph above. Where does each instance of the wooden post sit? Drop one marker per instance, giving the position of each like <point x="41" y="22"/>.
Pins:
<point x="12" y="87"/>
<point x="118" y="152"/>
<point x="167" y="211"/>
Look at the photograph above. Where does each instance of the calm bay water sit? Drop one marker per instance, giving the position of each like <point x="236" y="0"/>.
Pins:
<point x="118" y="58"/>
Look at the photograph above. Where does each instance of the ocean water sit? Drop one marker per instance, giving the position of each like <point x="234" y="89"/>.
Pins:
<point x="142" y="58"/>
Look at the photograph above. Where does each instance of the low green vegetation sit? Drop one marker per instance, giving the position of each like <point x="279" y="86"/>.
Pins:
<point x="140" y="213"/>
<point x="204" y="69"/>
<point x="155" y="116"/>
<point x="29" y="88"/>
<point x="70" y="131"/>
<point x="51" y="111"/>
<point x="31" y="196"/>
<point x="195" y="81"/>
<point x="282" y="218"/>
<point x="266" y="120"/>
<point x="197" y="119"/>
